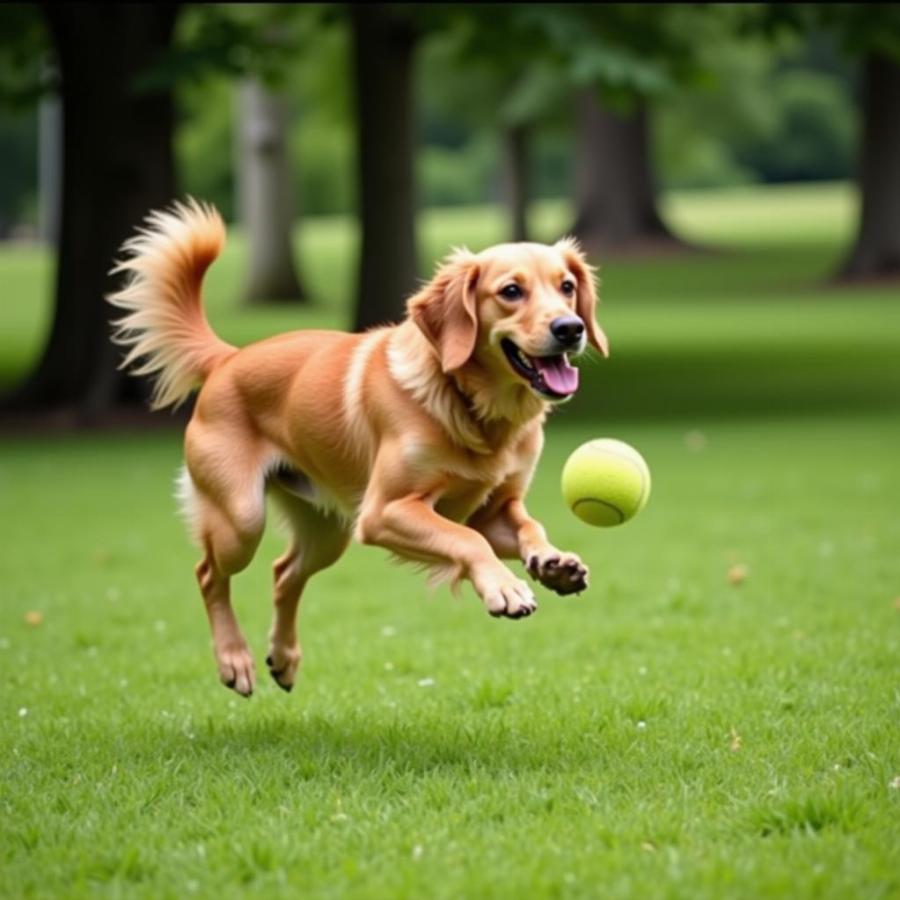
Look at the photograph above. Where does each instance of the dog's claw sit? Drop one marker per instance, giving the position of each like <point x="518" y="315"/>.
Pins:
<point x="276" y="677"/>
<point x="236" y="669"/>
<point x="288" y="662"/>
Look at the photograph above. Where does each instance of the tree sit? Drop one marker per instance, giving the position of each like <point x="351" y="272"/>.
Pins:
<point x="516" y="187"/>
<point x="615" y="187"/>
<point x="613" y="59"/>
<point x="117" y="65"/>
<point x="876" y="250"/>
<point x="384" y="40"/>
<point x="869" y="32"/>
<point x="24" y="78"/>
<point x="265" y="204"/>
<point x="505" y="94"/>
<point x="256" y="45"/>
<point x="117" y="164"/>
<point x="50" y="128"/>
<point x="622" y="58"/>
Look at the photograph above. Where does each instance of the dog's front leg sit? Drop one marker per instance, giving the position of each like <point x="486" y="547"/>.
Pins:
<point x="513" y="533"/>
<point x="409" y="526"/>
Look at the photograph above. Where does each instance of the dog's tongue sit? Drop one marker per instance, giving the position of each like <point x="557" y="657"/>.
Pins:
<point x="559" y="376"/>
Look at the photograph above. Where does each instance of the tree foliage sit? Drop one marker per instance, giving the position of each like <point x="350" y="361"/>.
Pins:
<point x="26" y="70"/>
<point x="860" y="28"/>
<point x="236" y="40"/>
<point x="516" y="63"/>
<point x="749" y="111"/>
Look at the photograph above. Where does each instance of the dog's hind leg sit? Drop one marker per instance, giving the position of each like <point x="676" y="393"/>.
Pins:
<point x="318" y="538"/>
<point x="227" y="511"/>
<point x="228" y="551"/>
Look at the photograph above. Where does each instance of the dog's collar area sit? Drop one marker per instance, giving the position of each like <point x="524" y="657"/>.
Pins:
<point x="464" y="398"/>
<point x="553" y="377"/>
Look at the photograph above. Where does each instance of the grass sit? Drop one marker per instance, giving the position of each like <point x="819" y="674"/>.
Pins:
<point x="667" y="734"/>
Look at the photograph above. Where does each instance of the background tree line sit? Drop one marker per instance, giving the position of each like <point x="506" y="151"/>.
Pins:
<point x="382" y="109"/>
<point x="782" y="113"/>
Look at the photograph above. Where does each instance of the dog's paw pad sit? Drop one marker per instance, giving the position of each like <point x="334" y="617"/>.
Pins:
<point x="563" y="573"/>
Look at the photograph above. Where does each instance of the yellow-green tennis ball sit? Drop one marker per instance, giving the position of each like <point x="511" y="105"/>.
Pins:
<point x="605" y="482"/>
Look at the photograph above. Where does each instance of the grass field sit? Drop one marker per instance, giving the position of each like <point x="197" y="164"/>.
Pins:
<point x="666" y="734"/>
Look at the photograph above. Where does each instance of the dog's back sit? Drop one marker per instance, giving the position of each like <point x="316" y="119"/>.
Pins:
<point x="295" y="398"/>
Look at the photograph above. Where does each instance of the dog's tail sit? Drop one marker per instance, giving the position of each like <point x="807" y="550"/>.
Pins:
<point x="165" y="329"/>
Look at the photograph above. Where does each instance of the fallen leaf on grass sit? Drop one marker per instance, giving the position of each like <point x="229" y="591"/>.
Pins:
<point x="695" y="441"/>
<point x="34" y="618"/>
<point x="738" y="573"/>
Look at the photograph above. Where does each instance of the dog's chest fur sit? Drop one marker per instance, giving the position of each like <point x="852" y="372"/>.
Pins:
<point x="468" y="478"/>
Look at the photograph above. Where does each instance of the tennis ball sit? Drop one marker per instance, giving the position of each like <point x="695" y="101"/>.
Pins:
<point x="605" y="482"/>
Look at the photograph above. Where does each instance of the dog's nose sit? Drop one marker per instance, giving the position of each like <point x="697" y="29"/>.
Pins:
<point x="567" y="330"/>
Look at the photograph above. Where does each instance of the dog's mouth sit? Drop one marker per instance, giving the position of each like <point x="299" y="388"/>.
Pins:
<point x="553" y="377"/>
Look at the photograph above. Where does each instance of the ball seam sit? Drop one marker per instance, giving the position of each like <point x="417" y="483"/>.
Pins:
<point x="630" y="459"/>
<point x="605" y="503"/>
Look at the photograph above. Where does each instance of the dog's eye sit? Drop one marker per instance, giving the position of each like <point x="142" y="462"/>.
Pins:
<point x="512" y="292"/>
<point x="568" y="287"/>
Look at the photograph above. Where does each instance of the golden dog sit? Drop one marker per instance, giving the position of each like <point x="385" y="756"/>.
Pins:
<point x="420" y="437"/>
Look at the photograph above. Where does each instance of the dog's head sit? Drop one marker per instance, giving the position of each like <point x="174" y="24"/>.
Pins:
<point x="518" y="311"/>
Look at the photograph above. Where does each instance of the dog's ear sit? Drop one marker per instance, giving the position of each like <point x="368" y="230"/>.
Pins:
<point x="586" y="299"/>
<point x="445" y="310"/>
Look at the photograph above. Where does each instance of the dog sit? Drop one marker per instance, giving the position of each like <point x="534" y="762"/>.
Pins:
<point x="420" y="437"/>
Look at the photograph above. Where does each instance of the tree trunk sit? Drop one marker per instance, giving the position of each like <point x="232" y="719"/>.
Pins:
<point x="614" y="183"/>
<point x="383" y="56"/>
<point x="515" y="147"/>
<point x="265" y="195"/>
<point x="117" y="165"/>
<point x="876" y="252"/>
<point x="50" y="128"/>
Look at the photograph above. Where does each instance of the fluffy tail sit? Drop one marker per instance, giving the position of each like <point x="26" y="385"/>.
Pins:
<point x="165" y="328"/>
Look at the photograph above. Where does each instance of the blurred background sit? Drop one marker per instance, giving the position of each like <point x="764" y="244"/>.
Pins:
<point x="734" y="170"/>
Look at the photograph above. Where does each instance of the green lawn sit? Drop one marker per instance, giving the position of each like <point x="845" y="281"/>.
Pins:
<point x="666" y="734"/>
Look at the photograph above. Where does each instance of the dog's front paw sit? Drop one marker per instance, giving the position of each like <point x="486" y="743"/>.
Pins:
<point x="283" y="663"/>
<point x="562" y="572"/>
<point x="508" y="597"/>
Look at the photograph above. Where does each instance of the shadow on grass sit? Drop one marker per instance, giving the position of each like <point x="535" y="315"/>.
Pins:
<point x="315" y="746"/>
